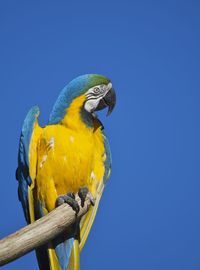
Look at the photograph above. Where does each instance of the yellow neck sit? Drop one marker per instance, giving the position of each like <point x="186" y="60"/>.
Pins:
<point x="73" y="118"/>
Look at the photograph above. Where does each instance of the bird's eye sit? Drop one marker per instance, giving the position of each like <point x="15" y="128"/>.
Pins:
<point x="97" y="90"/>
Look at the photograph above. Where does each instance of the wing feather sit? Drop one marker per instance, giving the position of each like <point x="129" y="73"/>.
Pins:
<point x="23" y="170"/>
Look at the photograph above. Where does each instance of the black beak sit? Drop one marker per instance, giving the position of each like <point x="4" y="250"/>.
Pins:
<point x="108" y="101"/>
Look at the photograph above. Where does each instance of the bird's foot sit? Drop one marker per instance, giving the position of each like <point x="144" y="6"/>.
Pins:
<point x="83" y="193"/>
<point x="69" y="198"/>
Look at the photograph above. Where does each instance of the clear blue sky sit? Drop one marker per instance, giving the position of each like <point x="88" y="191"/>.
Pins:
<point x="149" y="217"/>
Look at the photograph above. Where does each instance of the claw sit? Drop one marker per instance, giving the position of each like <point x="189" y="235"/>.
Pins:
<point x="70" y="200"/>
<point x="92" y="200"/>
<point x="83" y="193"/>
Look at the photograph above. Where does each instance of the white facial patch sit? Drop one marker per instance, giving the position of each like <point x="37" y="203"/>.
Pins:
<point x="91" y="104"/>
<point x="94" y="95"/>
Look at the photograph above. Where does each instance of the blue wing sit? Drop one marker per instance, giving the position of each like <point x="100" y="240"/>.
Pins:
<point x="22" y="172"/>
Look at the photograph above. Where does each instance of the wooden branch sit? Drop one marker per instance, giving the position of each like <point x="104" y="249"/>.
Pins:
<point x="40" y="232"/>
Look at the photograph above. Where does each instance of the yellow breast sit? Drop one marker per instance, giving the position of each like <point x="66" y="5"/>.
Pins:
<point x="67" y="160"/>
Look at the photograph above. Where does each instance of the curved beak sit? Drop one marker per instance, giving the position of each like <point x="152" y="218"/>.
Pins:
<point x="109" y="100"/>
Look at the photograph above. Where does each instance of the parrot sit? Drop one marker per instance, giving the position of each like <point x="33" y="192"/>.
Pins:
<point x="70" y="155"/>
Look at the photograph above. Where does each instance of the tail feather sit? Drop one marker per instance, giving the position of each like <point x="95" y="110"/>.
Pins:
<point x="65" y="256"/>
<point x="74" y="262"/>
<point x="63" y="252"/>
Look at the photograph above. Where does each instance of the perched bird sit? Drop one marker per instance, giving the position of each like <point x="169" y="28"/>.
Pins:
<point x="71" y="154"/>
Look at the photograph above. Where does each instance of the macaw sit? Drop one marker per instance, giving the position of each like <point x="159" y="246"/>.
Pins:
<point x="71" y="154"/>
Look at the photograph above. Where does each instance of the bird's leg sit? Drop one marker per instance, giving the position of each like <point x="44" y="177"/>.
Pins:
<point x="69" y="198"/>
<point x="83" y="193"/>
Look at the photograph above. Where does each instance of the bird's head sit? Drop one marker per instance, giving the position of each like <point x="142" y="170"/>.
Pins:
<point x="92" y="92"/>
<point x="99" y="94"/>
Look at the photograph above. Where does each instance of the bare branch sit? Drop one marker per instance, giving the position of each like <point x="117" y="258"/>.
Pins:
<point x="40" y="232"/>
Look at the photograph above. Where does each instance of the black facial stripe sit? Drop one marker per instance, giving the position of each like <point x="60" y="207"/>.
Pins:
<point x="90" y="95"/>
<point x="94" y="96"/>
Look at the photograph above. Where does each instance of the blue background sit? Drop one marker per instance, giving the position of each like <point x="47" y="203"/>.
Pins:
<point x="149" y="217"/>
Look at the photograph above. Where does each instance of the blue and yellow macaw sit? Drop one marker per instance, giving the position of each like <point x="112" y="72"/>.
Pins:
<point x="69" y="155"/>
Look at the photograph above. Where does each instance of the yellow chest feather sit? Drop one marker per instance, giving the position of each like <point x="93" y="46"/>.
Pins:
<point x="67" y="160"/>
